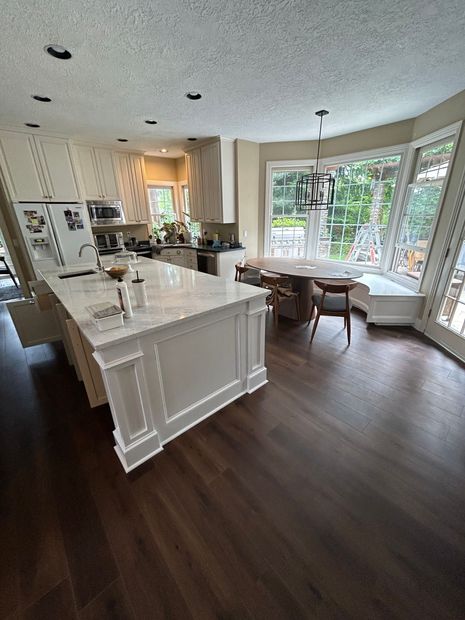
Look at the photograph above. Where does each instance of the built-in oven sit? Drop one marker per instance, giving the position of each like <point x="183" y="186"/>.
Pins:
<point x="109" y="243"/>
<point x="105" y="212"/>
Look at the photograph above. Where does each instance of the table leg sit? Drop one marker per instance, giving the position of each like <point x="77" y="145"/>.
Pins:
<point x="305" y="287"/>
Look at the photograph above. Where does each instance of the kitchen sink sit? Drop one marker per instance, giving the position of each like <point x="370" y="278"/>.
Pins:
<point x="77" y="274"/>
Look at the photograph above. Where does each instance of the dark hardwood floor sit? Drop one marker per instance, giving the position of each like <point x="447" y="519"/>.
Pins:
<point x="336" y="491"/>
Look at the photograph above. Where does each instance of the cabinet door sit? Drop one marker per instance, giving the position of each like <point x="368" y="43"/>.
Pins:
<point x="124" y="172"/>
<point x="140" y="188"/>
<point x="211" y="182"/>
<point x="194" y="181"/>
<point x="88" y="172"/>
<point x="57" y="165"/>
<point x="33" y="325"/>
<point x="88" y="367"/>
<point x="21" y="168"/>
<point x="107" y="174"/>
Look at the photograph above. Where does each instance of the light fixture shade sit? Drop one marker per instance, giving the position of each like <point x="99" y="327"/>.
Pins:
<point x="315" y="192"/>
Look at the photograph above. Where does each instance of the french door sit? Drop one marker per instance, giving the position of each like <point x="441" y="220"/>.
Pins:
<point x="446" y="323"/>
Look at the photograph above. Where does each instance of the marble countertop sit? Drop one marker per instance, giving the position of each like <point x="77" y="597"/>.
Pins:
<point x="174" y="293"/>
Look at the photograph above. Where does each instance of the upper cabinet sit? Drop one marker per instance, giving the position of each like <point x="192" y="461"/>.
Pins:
<point x="131" y="179"/>
<point x="37" y="168"/>
<point x="97" y="173"/>
<point x="211" y="175"/>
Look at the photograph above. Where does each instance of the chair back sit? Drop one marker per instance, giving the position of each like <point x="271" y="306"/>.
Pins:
<point x="268" y="281"/>
<point x="329" y="287"/>
<point x="240" y="270"/>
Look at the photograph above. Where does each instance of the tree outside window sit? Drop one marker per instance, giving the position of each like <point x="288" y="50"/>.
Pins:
<point x="354" y="228"/>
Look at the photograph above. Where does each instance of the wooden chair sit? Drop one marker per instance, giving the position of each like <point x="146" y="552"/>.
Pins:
<point x="280" y="290"/>
<point x="332" y="305"/>
<point x="241" y="270"/>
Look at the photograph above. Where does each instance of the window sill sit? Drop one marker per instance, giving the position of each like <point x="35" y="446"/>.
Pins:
<point x="410" y="283"/>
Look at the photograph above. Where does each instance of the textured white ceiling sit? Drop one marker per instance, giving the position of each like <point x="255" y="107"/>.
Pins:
<point x="263" y="66"/>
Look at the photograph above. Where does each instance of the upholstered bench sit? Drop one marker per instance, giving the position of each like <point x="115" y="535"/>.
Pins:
<point x="386" y="302"/>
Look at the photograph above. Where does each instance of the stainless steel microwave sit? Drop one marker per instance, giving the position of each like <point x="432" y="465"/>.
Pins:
<point x="105" y="212"/>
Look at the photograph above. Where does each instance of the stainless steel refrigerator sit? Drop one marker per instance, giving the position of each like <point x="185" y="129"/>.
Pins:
<point x="53" y="233"/>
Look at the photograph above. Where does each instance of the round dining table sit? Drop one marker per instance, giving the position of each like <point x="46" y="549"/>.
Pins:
<point x="302" y="273"/>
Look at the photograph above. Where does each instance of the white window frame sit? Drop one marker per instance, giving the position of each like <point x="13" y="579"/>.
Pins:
<point x="453" y="132"/>
<point x="285" y="165"/>
<point x="315" y="216"/>
<point x="398" y="149"/>
<point x="175" y="187"/>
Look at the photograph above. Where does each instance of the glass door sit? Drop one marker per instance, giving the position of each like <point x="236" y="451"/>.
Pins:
<point x="446" y="324"/>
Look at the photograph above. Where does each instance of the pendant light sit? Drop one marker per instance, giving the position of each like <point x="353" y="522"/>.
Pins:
<point x="315" y="191"/>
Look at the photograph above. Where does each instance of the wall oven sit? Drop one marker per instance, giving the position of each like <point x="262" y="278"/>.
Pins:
<point x="105" y="212"/>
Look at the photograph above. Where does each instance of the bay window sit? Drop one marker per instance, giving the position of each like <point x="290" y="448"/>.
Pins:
<point x="354" y="228"/>
<point x="420" y="209"/>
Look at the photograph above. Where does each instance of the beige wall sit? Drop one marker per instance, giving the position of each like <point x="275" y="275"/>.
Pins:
<point x="247" y="162"/>
<point x="160" y="168"/>
<point x="181" y="169"/>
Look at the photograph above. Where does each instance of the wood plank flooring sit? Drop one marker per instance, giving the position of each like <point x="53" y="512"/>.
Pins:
<point x="336" y="491"/>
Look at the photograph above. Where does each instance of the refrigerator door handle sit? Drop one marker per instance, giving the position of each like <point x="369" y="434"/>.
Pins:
<point x="53" y="236"/>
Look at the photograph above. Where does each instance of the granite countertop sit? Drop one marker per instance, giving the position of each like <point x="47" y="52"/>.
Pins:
<point x="202" y="248"/>
<point x="175" y="294"/>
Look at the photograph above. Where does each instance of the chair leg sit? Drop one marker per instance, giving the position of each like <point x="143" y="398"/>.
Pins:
<point x="348" y="328"/>
<point x="315" y="324"/>
<point x="345" y="321"/>
<point x="297" y="307"/>
<point x="311" y="314"/>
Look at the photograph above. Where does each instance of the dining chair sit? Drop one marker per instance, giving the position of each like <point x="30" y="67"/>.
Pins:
<point x="337" y="303"/>
<point x="252" y="277"/>
<point x="280" y="290"/>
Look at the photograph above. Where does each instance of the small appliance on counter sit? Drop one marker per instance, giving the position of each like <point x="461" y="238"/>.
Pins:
<point x="109" y="243"/>
<point x="105" y="212"/>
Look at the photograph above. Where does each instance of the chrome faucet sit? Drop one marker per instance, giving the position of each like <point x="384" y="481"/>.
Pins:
<point x="91" y="245"/>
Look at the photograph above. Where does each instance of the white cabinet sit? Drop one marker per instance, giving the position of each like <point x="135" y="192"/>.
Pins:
<point x="183" y="257"/>
<point x="194" y="181"/>
<point x="97" y="173"/>
<point x="37" y="168"/>
<point x="211" y="173"/>
<point x="58" y="169"/>
<point x="131" y="178"/>
<point x="20" y="166"/>
<point x="107" y="174"/>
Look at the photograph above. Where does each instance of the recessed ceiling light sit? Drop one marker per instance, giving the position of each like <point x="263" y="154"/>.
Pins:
<point x="122" y="139"/>
<point x="163" y="150"/>
<point x="32" y="125"/>
<point x="58" y="51"/>
<point x="192" y="139"/>
<point x="150" y="122"/>
<point x="193" y="96"/>
<point x="42" y="99"/>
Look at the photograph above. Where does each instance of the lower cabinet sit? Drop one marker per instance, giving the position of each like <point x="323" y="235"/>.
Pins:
<point x="183" y="257"/>
<point x="88" y="367"/>
<point x="43" y="319"/>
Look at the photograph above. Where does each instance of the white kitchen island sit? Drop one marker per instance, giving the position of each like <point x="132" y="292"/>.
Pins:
<point x="197" y="346"/>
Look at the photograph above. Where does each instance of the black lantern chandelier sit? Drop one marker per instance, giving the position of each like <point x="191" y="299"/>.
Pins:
<point x="315" y="191"/>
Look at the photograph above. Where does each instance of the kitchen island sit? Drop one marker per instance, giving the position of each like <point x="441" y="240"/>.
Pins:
<point x="197" y="346"/>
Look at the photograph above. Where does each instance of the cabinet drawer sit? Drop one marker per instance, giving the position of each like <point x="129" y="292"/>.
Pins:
<point x="172" y="252"/>
<point x="191" y="254"/>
